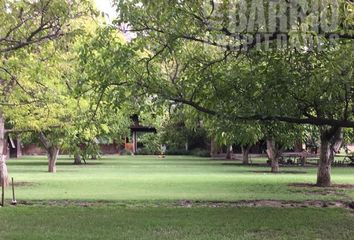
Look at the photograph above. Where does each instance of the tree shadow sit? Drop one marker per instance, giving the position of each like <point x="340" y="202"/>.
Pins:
<point x="45" y="163"/>
<point x="280" y="172"/>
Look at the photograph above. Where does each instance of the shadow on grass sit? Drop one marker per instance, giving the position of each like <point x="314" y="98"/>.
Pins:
<point x="280" y="172"/>
<point x="45" y="163"/>
<point x="267" y="165"/>
<point x="334" y="186"/>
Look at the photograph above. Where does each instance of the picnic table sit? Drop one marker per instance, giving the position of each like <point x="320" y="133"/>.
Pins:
<point x="301" y="158"/>
<point x="298" y="158"/>
<point x="347" y="159"/>
<point x="293" y="158"/>
<point x="313" y="160"/>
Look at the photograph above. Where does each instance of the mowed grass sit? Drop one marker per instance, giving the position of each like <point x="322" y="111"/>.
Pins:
<point x="174" y="223"/>
<point x="141" y="193"/>
<point x="148" y="178"/>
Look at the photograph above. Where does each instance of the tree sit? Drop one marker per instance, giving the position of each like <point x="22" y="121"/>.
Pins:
<point x="229" y="132"/>
<point x="26" y="26"/>
<point x="29" y="40"/>
<point x="90" y="126"/>
<point x="103" y="82"/>
<point x="279" y="137"/>
<point x="4" y="179"/>
<point x="181" y="130"/>
<point x="195" y="56"/>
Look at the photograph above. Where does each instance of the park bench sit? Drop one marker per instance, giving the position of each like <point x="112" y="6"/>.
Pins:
<point x="298" y="158"/>
<point x="293" y="158"/>
<point x="347" y="160"/>
<point x="313" y="160"/>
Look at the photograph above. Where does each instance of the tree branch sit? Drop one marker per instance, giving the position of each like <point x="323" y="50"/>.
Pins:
<point x="289" y="119"/>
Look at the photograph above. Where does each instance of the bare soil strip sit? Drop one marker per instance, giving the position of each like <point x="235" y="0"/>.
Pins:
<point x="24" y="184"/>
<point x="336" y="189"/>
<point x="194" y="204"/>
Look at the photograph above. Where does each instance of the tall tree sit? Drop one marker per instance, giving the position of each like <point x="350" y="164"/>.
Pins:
<point x="205" y="54"/>
<point x="28" y="29"/>
<point x="230" y="132"/>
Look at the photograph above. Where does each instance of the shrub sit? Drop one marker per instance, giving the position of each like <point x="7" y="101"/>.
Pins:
<point x="146" y="151"/>
<point x="200" y="152"/>
<point x="125" y="152"/>
<point x="177" y="151"/>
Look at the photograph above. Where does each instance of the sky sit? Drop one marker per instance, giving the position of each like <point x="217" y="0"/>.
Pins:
<point x="106" y="7"/>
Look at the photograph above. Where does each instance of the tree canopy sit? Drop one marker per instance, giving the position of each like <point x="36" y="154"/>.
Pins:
<point x="240" y="62"/>
<point x="252" y="69"/>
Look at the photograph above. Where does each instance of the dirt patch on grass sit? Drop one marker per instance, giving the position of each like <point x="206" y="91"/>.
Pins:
<point x="66" y="170"/>
<point x="24" y="184"/>
<point x="312" y="189"/>
<point x="334" y="186"/>
<point x="64" y="203"/>
<point x="281" y="172"/>
<point x="193" y="204"/>
<point x="268" y="203"/>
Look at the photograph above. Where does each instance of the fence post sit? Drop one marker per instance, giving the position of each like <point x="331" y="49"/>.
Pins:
<point x="13" y="202"/>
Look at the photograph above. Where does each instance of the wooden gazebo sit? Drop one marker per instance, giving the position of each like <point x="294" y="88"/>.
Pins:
<point x="134" y="129"/>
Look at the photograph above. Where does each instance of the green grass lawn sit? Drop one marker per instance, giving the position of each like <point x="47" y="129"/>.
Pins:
<point x="174" y="223"/>
<point x="134" y="198"/>
<point x="143" y="178"/>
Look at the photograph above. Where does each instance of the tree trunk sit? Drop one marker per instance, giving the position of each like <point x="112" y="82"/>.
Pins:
<point x="275" y="166"/>
<point x="52" y="152"/>
<point x="3" y="168"/>
<point x="324" y="167"/>
<point x="245" y="154"/>
<point x="331" y="141"/>
<point x="298" y="145"/>
<point x="18" y="146"/>
<point x="77" y="159"/>
<point x="52" y="159"/>
<point x="273" y="155"/>
<point x="229" y="152"/>
<point x="213" y="148"/>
